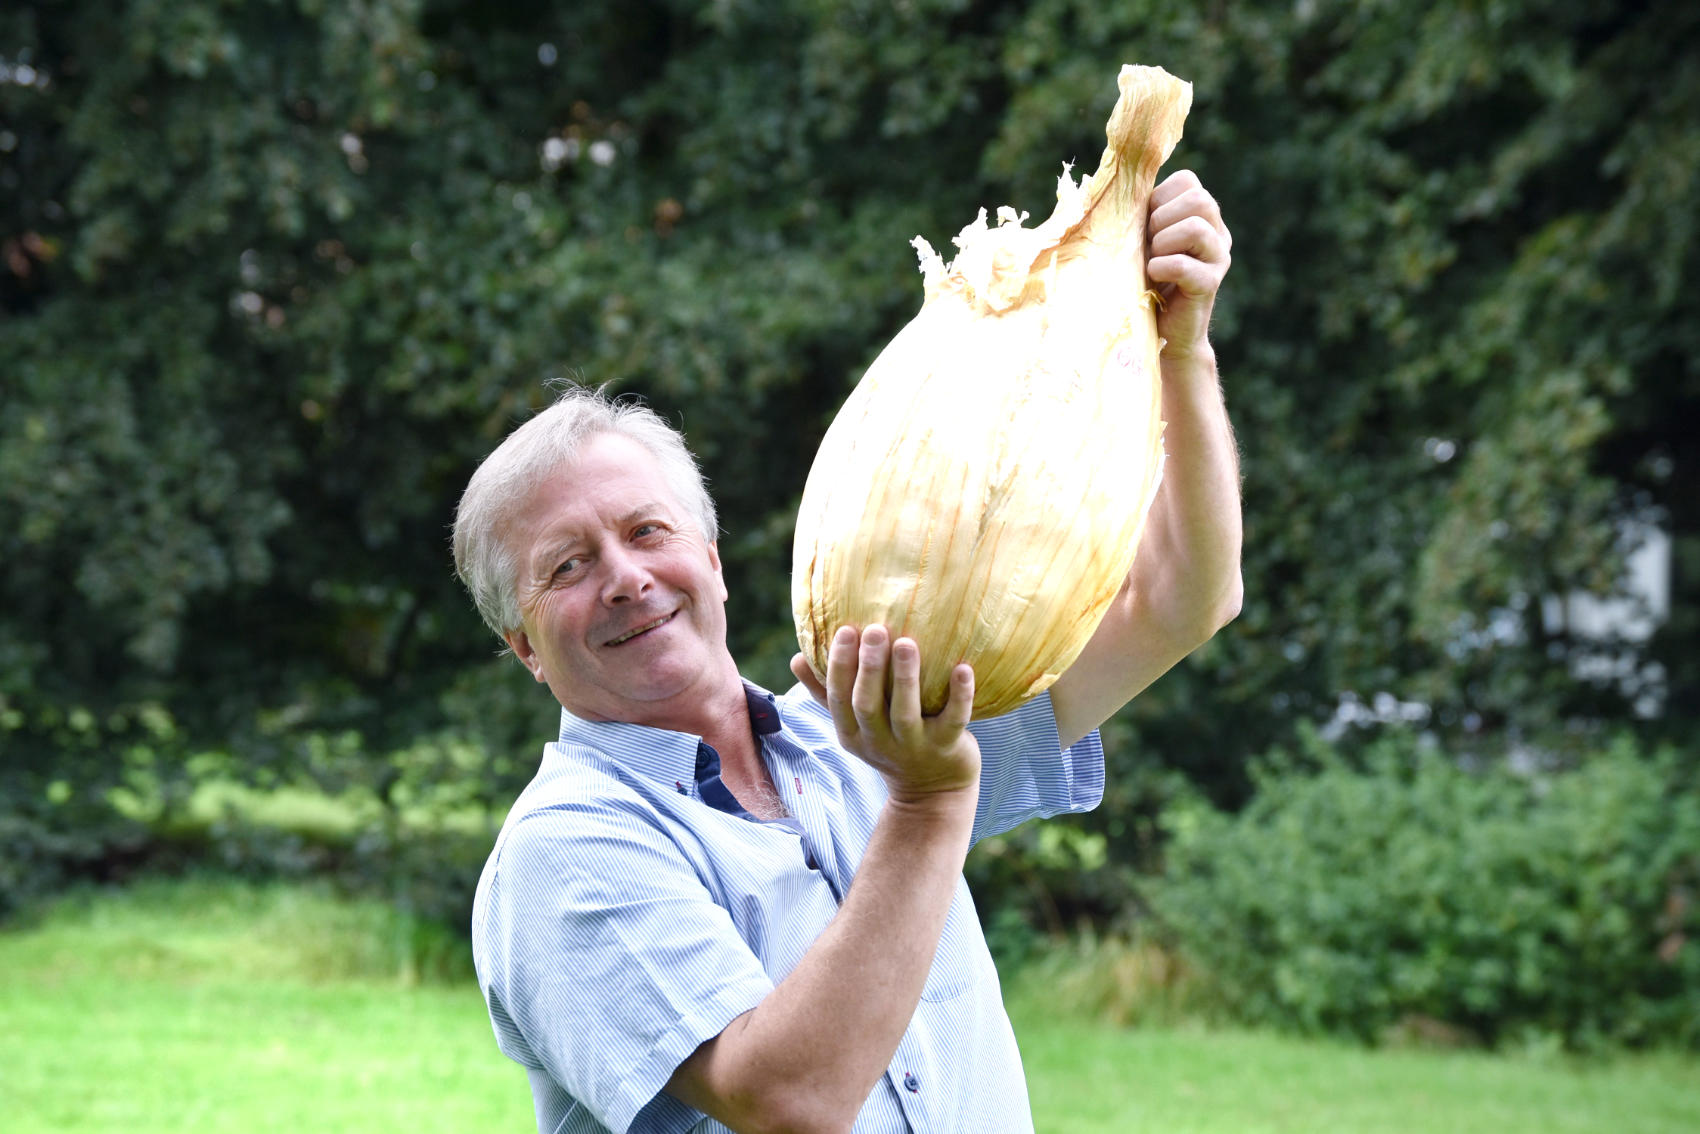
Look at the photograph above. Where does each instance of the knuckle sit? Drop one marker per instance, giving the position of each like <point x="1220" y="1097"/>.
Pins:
<point x="865" y="704"/>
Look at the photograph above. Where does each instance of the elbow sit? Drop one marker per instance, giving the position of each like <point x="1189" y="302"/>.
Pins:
<point x="798" y="1116"/>
<point x="753" y="1091"/>
<point x="1233" y="599"/>
<point x="768" y="1110"/>
<point x="1222" y="607"/>
<point x="795" y="1107"/>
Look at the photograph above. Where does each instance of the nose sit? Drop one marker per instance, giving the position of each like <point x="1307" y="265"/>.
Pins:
<point x="625" y="578"/>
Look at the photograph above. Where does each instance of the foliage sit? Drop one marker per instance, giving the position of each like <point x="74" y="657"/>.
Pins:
<point x="423" y="857"/>
<point x="1411" y="890"/>
<point x="1117" y="980"/>
<point x="1453" y="321"/>
<point x="1045" y="878"/>
<point x="184" y="929"/>
<point x="274" y="275"/>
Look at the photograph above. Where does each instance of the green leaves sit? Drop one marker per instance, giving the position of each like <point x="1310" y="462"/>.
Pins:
<point x="1355" y="899"/>
<point x="275" y="275"/>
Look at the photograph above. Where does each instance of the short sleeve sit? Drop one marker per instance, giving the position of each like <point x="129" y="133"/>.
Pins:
<point x="609" y="956"/>
<point x="1025" y="773"/>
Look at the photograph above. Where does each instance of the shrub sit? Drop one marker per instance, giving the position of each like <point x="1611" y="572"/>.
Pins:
<point x="1119" y="979"/>
<point x="427" y="868"/>
<point x="1409" y="889"/>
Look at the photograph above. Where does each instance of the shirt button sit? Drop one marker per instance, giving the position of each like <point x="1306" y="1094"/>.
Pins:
<point x="911" y="1082"/>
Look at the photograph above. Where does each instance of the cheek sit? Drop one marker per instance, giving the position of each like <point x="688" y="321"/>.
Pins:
<point x="556" y="613"/>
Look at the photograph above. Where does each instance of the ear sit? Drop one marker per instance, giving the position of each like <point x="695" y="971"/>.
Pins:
<point x="521" y="646"/>
<point x="714" y="561"/>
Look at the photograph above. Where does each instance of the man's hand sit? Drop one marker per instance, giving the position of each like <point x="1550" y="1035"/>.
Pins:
<point x="1189" y="247"/>
<point x="807" y="1056"/>
<point x="919" y="756"/>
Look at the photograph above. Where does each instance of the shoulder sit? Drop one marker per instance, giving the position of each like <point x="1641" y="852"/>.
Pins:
<point x="580" y="818"/>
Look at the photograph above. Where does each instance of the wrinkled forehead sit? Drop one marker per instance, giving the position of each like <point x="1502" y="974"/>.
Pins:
<point x="611" y="479"/>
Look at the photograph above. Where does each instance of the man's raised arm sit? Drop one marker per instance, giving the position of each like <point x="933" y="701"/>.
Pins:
<point x="1185" y="583"/>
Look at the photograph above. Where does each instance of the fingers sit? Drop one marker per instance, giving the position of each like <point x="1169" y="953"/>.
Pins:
<point x="906" y="688"/>
<point x="867" y="693"/>
<point x="841" y="678"/>
<point x="959" y="705"/>
<point x="805" y="675"/>
<point x="1186" y="223"/>
<point x="1177" y="184"/>
<point x="1194" y="203"/>
<point x="1189" y="245"/>
<point x="862" y="700"/>
<point x="1191" y="275"/>
<point x="1190" y="236"/>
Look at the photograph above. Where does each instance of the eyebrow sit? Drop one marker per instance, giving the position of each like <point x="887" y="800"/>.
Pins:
<point x="644" y="510"/>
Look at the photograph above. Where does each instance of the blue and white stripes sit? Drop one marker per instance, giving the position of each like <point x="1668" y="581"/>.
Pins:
<point x="621" y="921"/>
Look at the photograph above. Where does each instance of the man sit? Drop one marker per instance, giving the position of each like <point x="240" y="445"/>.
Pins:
<point x="715" y="908"/>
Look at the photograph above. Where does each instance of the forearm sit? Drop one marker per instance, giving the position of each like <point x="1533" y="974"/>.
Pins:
<point x="1187" y="573"/>
<point x="807" y="1057"/>
<point x="1185" y="582"/>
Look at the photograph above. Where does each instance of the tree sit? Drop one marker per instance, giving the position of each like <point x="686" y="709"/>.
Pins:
<point x="274" y="275"/>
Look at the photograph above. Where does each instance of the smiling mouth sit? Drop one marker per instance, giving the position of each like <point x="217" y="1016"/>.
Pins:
<point x="644" y="629"/>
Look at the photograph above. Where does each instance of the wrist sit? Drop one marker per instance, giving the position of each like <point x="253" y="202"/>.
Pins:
<point x="1201" y="355"/>
<point x="940" y="805"/>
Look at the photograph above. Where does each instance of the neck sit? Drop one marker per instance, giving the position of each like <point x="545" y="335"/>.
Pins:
<point x="718" y="712"/>
<point x="727" y="729"/>
<point x="725" y="725"/>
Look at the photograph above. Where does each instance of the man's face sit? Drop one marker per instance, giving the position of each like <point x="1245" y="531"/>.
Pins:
<point x="621" y="599"/>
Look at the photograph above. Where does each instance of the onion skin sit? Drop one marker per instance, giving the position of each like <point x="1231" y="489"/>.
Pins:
<point x="984" y="487"/>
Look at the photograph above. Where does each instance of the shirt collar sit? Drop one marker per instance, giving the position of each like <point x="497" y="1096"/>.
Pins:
<point x="660" y="753"/>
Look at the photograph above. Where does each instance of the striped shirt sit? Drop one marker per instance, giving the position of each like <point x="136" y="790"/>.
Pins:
<point x="631" y="910"/>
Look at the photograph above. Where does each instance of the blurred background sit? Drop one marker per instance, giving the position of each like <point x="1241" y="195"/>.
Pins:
<point x="276" y="274"/>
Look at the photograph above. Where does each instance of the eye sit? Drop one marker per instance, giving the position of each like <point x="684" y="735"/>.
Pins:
<point x="569" y="566"/>
<point x="643" y="530"/>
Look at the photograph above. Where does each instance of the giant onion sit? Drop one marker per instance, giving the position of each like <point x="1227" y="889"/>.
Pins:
<point x="984" y="487"/>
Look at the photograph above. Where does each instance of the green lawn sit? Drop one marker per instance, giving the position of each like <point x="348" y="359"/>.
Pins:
<point x="1087" y="1078"/>
<point x="207" y="1006"/>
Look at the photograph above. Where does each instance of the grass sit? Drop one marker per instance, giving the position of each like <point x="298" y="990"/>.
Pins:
<point x="210" y="1006"/>
<point x="1089" y="1072"/>
<point x="1089" y="1078"/>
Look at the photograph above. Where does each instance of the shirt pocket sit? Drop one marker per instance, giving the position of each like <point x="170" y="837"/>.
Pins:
<point x="961" y="958"/>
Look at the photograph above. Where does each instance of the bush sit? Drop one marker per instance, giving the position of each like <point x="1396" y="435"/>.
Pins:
<point x="44" y="848"/>
<point x="1118" y="979"/>
<point x="1410" y="891"/>
<point x="427" y="868"/>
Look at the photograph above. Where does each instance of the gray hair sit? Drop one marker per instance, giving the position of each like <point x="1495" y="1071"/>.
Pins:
<point x="535" y="450"/>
